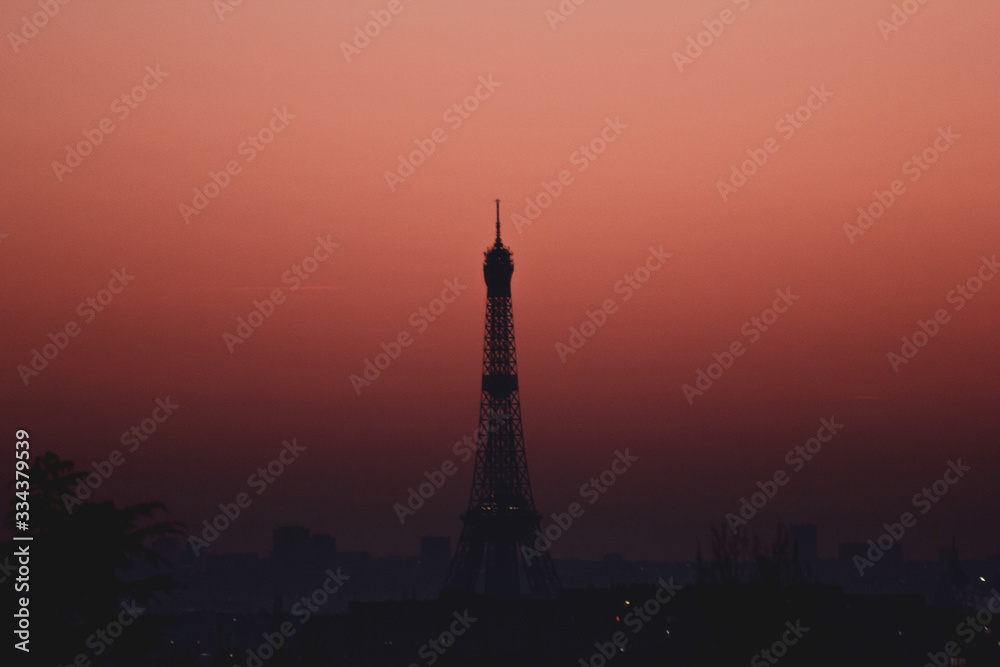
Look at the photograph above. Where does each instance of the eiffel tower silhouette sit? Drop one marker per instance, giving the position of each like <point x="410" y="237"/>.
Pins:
<point x="501" y="516"/>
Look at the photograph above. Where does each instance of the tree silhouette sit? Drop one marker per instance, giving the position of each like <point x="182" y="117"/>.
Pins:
<point x="82" y="561"/>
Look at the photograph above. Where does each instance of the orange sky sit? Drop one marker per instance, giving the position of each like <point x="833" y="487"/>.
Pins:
<point x="346" y="124"/>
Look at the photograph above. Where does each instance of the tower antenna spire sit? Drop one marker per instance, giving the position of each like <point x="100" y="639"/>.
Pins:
<point x="498" y="221"/>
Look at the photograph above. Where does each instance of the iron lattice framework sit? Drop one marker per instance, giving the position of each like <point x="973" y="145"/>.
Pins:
<point x="501" y="516"/>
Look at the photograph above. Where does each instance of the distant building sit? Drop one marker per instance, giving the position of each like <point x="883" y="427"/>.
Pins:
<point x="435" y="551"/>
<point x="324" y="544"/>
<point x="289" y="542"/>
<point x="805" y="551"/>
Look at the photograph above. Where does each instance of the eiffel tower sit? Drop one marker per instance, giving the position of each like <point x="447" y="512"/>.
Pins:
<point x="501" y="515"/>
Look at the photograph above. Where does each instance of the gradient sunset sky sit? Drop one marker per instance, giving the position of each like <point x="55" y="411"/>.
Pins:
<point x="348" y="116"/>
